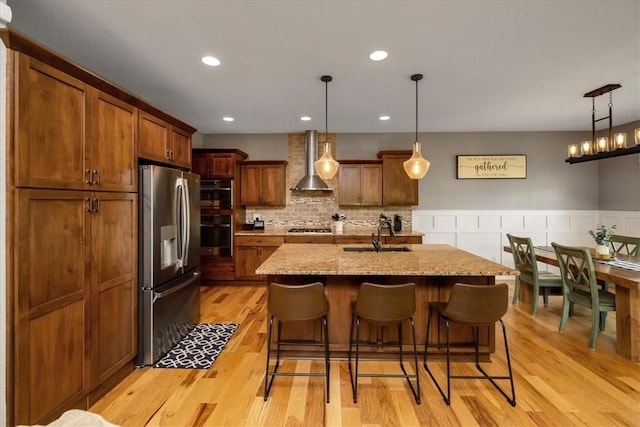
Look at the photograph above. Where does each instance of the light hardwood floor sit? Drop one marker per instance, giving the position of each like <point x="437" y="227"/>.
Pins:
<point x="559" y="381"/>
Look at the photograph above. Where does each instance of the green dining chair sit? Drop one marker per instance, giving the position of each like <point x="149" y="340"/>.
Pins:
<point x="524" y="258"/>
<point x="581" y="287"/>
<point x="625" y="245"/>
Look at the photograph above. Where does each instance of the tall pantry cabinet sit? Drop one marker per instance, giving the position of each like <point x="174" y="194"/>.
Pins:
<point x="72" y="185"/>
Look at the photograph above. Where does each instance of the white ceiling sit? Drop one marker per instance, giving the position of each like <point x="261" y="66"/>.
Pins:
<point x="487" y="65"/>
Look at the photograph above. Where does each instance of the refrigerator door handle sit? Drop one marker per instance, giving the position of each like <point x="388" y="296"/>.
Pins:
<point x="186" y="221"/>
<point x="180" y="213"/>
<point x="158" y="295"/>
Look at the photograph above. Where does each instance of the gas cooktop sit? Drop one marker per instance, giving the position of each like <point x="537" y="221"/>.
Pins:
<point x="310" y="230"/>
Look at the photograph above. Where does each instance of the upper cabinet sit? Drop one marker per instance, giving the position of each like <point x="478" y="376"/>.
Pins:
<point x="397" y="188"/>
<point x="70" y="135"/>
<point x="216" y="163"/>
<point x="263" y="183"/>
<point x="360" y="183"/>
<point x="163" y="142"/>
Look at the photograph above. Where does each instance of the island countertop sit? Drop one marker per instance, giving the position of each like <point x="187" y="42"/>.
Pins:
<point x="423" y="260"/>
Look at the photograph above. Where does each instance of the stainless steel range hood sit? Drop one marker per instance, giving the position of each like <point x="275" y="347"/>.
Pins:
<point x="311" y="181"/>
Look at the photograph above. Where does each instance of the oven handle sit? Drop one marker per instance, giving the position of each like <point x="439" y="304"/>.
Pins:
<point x="158" y="295"/>
<point x="215" y="225"/>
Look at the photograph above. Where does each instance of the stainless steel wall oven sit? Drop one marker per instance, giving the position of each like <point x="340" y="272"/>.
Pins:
<point x="216" y="194"/>
<point x="216" y="233"/>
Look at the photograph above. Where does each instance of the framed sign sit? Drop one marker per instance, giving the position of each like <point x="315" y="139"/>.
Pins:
<point x="512" y="166"/>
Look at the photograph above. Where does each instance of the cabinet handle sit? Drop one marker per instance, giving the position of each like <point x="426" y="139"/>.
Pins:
<point x="88" y="204"/>
<point x="96" y="180"/>
<point x="96" y="203"/>
<point x="168" y="155"/>
<point x="88" y="176"/>
<point x="172" y="156"/>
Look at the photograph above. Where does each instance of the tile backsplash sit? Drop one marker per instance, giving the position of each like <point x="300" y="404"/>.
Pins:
<point x="314" y="208"/>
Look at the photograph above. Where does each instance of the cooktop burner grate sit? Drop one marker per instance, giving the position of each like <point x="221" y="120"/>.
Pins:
<point x="309" y="230"/>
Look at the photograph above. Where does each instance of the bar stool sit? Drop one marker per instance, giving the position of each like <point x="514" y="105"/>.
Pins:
<point x="384" y="305"/>
<point x="475" y="306"/>
<point x="296" y="303"/>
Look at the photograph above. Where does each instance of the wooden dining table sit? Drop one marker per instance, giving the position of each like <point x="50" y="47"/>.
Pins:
<point x="627" y="291"/>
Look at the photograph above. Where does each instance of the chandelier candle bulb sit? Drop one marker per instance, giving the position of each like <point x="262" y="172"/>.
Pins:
<point x="620" y="140"/>
<point x="573" y="150"/>
<point x="585" y="148"/>
<point x="602" y="144"/>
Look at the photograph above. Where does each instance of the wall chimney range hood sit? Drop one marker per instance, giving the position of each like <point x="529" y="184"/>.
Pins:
<point x="311" y="181"/>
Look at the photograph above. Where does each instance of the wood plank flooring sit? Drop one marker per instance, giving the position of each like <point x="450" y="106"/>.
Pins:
<point x="559" y="381"/>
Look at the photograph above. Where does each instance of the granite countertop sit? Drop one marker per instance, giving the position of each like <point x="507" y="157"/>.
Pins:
<point x="348" y="232"/>
<point x="423" y="260"/>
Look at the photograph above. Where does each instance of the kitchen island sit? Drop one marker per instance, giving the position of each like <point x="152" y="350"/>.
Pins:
<point x="433" y="268"/>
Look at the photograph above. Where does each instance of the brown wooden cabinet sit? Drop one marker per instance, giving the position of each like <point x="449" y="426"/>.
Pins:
<point x="263" y="183"/>
<point x="217" y="162"/>
<point x="162" y="142"/>
<point x="360" y="184"/>
<point x="75" y="313"/>
<point x="397" y="188"/>
<point x="70" y="135"/>
<point x="251" y="251"/>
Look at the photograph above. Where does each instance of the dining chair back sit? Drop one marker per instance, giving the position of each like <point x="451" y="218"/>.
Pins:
<point x="627" y="245"/>
<point x="580" y="286"/>
<point x="524" y="259"/>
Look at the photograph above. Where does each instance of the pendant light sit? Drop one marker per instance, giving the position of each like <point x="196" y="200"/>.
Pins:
<point x="326" y="167"/>
<point x="417" y="166"/>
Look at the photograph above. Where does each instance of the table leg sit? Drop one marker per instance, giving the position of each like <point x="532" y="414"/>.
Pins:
<point x="628" y="323"/>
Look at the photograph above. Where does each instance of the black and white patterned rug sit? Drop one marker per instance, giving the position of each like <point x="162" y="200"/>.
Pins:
<point x="199" y="348"/>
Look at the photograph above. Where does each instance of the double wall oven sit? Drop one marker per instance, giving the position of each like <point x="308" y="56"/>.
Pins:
<point x="216" y="219"/>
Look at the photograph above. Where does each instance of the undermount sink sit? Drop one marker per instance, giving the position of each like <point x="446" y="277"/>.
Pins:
<point x="371" y="249"/>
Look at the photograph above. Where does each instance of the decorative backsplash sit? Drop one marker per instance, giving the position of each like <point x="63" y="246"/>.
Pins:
<point x="314" y="208"/>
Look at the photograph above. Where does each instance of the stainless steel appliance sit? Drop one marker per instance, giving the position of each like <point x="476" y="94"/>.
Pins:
<point x="320" y="230"/>
<point x="216" y="194"/>
<point x="169" y="259"/>
<point x="216" y="233"/>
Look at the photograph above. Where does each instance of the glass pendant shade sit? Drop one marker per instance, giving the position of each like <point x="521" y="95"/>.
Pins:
<point x="326" y="167"/>
<point x="417" y="166"/>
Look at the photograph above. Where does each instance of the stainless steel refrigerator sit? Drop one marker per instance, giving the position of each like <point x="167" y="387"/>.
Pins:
<point x="169" y="259"/>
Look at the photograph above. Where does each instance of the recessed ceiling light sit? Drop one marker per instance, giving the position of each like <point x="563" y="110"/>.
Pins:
<point x="211" y="61"/>
<point x="378" y="55"/>
<point x="384" y="118"/>
<point x="305" y="118"/>
<point x="228" y="119"/>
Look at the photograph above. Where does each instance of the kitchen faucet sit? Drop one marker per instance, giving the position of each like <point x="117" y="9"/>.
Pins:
<point x="377" y="244"/>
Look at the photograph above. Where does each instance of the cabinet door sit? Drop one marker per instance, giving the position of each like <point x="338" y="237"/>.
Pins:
<point x="371" y="185"/>
<point x="180" y="151"/>
<point x="113" y="283"/>
<point x="397" y="188"/>
<point x="52" y="297"/>
<point x="201" y="164"/>
<point x="153" y="138"/>
<point x="247" y="260"/>
<point x="273" y="188"/>
<point x="349" y="185"/>
<point x="51" y="132"/>
<point x="222" y="165"/>
<point x="113" y="153"/>
<point x="251" y="185"/>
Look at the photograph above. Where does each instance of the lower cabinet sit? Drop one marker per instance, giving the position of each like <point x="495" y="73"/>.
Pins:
<point x="251" y="251"/>
<point x="75" y="290"/>
<point x="216" y="268"/>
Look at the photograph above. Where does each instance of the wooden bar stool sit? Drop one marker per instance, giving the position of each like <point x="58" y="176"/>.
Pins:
<point x="384" y="305"/>
<point x="475" y="306"/>
<point x="296" y="303"/>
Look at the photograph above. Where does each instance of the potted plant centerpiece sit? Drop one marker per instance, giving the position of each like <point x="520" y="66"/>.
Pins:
<point x="602" y="235"/>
